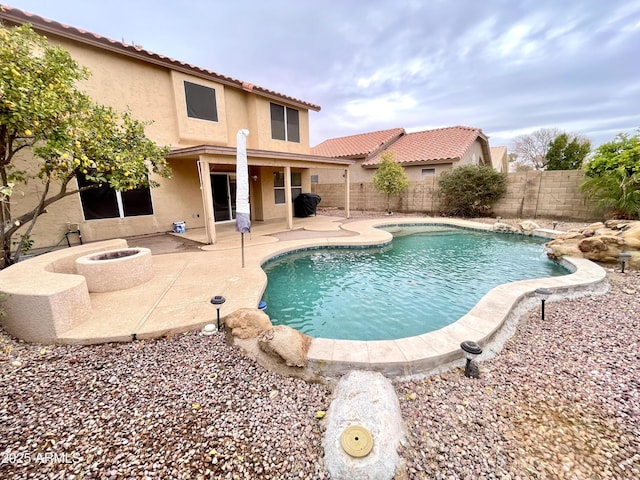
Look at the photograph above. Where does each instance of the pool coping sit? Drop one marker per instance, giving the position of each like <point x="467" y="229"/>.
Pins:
<point x="432" y="351"/>
<point x="177" y="298"/>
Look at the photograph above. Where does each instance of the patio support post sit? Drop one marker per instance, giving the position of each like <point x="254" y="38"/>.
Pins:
<point x="287" y="196"/>
<point x="347" y="194"/>
<point x="207" y="201"/>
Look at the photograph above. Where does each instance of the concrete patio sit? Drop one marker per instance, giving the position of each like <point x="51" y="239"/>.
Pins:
<point x="177" y="298"/>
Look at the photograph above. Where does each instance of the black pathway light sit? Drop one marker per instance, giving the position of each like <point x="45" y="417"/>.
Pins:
<point x="624" y="257"/>
<point x="218" y="300"/>
<point x="543" y="294"/>
<point x="471" y="350"/>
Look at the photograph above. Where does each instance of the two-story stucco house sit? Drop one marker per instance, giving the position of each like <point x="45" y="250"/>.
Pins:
<point x="197" y="113"/>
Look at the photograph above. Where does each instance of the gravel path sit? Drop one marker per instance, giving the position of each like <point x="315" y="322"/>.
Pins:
<point x="562" y="400"/>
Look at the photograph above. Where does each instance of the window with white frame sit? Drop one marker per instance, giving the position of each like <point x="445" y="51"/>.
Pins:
<point x="285" y="123"/>
<point x="201" y="102"/>
<point x="104" y="202"/>
<point x="278" y="186"/>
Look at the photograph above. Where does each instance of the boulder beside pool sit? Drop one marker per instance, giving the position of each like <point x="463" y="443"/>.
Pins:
<point x="247" y="322"/>
<point x="363" y="428"/>
<point x="286" y="343"/>
<point x="600" y="242"/>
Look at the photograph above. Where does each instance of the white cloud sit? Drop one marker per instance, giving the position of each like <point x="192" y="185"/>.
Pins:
<point x="387" y="106"/>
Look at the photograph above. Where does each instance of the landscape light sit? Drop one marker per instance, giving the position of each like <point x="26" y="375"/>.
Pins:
<point x="471" y="350"/>
<point x="218" y="300"/>
<point x="623" y="257"/>
<point x="543" y="294"/>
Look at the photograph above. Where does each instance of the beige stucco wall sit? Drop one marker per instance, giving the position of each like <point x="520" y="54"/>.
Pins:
<point x="473" y="156"/>
<point x="156" y="94"/>
<point x="194" y="130"/>
<point x="127" y="84"/>
<point x="266" y="196"/>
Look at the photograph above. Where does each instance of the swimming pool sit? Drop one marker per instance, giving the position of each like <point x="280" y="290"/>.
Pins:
<point x="427" y="278"/>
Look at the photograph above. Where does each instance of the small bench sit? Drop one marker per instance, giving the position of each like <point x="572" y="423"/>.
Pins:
<point x="46" y="295"/>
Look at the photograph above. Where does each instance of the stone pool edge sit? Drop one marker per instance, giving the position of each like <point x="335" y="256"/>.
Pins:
<point x="438" y="350"/>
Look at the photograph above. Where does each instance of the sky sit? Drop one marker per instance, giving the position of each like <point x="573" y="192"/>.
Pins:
<point x="509" y="67"/>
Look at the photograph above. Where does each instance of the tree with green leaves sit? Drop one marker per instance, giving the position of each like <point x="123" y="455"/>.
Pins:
<point x="44" y="116"/>
<point x="567" y="153"/>
<point x="390" y="178"/>
<point x="612" y="176"/>
<point x="470" y="190"/>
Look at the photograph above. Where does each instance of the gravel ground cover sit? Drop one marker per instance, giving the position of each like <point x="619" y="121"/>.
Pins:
<point x="560" y="401"/>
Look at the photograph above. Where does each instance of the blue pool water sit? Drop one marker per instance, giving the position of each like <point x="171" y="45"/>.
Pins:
<point x="427" y="278"/>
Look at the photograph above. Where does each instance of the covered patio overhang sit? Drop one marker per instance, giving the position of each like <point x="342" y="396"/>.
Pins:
<point x="210" y="158"/>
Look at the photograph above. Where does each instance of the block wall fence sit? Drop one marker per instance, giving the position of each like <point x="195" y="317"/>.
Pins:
<point x="531" y="194"/>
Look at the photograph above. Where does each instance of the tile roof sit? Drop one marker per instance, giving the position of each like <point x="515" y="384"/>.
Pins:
<point x="360" y="145"/>
<point x="41" y="24"/>
<point x="430" y="146"/>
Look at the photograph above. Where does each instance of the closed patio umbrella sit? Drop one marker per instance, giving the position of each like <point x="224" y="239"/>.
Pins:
<point x="243" y="220"/>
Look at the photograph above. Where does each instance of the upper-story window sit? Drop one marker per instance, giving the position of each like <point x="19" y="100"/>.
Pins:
<point x="285" y="123"/>
<point x="201" y="102"/>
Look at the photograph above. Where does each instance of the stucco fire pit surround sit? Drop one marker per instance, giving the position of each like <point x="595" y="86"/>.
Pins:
<point x="114" y="270"/>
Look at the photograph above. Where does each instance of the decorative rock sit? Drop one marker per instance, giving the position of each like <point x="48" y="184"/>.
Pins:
<point x="247" y="322"/>
<point x="363" y="402"/>
<point x="528" y="226"/>
<point x="287" y="343"/>
<point x="603" y="248"/>
<point x="600" y="242"/>
<point x="632" y="237"/>
<point x="503" y="228"/>
<point x="209" y="329"/>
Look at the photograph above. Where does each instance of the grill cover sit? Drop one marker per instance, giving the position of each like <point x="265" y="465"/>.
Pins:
<point x="305" y="204"/>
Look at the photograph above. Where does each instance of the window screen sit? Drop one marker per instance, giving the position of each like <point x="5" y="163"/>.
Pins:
<point x="98" y="202"/>
<point x="104" y="202"/>
<point x="277" y="122"/>
<point x="201" y="102"/>
<point x="285" y="123"/>
<point x="293" y="125"/>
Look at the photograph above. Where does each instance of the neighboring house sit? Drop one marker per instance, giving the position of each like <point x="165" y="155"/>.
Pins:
<point x="500" y="159"/>
<point x="197" y="113"/>
<point x="422" y="154"/>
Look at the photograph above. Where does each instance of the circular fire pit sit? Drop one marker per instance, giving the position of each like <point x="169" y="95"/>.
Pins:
<point x="116" y="269"/>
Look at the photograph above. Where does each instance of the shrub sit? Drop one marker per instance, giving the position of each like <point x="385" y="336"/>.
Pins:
<point x="612" y="177"/>
<point x="470" y="191"/>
